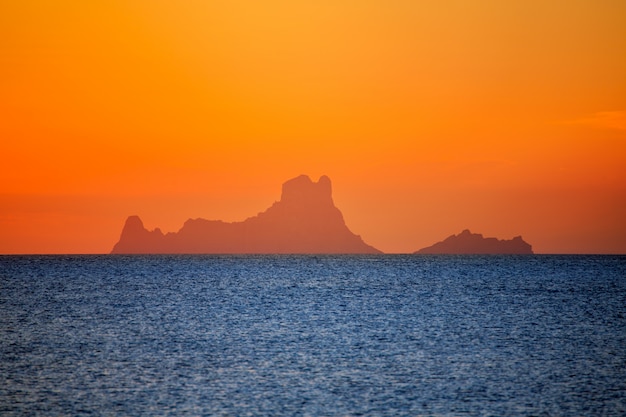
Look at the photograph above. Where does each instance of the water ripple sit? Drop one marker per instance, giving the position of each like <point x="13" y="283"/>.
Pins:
<point x="313" y="335"/>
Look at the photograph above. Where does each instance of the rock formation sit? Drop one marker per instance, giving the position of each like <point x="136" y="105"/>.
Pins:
<point x="474" y="243"/>
<point x="305" y="220"/>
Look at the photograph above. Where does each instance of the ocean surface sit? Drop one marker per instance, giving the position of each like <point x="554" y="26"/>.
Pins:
<point x="384" y="335"/>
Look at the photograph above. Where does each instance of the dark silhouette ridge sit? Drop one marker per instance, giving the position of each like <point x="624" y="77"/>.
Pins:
<point x="305" y="220"/>
<point x="467" y="243"/>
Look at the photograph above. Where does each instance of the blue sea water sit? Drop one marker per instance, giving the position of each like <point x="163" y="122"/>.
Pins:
<point x="313" y="335"/>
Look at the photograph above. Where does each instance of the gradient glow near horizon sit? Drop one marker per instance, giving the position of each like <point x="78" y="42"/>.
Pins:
<point x="430" y="117"/>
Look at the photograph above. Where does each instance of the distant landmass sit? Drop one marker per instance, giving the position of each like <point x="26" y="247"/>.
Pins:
<point x="305" y="220"/>
<point x="474" y="243"/>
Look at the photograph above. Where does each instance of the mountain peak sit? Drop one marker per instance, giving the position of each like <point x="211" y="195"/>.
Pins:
<point x="133" y="223"/>
<point x="305" y="220"/>
<point x="467" y="242"/>
<point x="134" y="234"/>
<point x="303" y="190"/>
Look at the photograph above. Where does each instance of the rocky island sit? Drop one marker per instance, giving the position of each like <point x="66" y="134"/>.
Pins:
<point x="474" y="243"/>
<point x="305" y="220"/>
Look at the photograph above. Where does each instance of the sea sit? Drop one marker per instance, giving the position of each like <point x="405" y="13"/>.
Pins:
<point x="313" y="335"/>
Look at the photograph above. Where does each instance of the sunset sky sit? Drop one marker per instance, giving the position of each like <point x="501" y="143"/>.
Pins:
<point x="503" y="117"/>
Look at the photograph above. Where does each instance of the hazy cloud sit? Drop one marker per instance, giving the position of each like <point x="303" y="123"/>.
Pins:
<point x="603" y="120"/>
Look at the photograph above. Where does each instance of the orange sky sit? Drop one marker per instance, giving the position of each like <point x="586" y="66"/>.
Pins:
<point x="507" y="118"/>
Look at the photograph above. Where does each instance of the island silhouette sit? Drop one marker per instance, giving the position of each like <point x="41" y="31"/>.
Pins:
<point x="305" y="220"/>
<point x="468" y="243"/>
